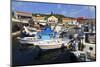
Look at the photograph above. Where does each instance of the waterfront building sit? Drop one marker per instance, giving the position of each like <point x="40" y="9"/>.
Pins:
<point x="23" y="16"/>
<point x="39" y="18"/>
<point x="70" y="22"/>
<point x="82" y="20"/>
<point x="52" y="20"/>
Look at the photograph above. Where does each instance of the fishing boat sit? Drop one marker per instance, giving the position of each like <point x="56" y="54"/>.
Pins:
<point x="45" y="39"/>
<point x="90" y="45"/>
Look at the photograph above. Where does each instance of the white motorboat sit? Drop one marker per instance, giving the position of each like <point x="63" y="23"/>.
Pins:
<point x="47" y="39"/>
<point x="29" y="30"/>
<point x="45" y="44"/>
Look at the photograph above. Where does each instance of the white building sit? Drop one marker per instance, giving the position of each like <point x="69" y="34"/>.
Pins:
<point x="23" y="16"/>
<point x="52" y="19"/>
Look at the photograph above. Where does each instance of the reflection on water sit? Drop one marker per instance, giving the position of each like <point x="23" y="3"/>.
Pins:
<point x="34" y="55"/>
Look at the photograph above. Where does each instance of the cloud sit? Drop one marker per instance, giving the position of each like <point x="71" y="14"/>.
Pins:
<point x="58" y="6"/>
<point x="92" y="8"/>
<point x="17" y="4"/>
<point x="92" y="11"/>
<point x="64" y="12"/>
<point x="89" y="9"/>
<point x="76" y="12"/>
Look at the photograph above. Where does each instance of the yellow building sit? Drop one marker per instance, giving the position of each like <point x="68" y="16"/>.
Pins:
<point x="39" y="18"/>
<point x="70" y="22"/>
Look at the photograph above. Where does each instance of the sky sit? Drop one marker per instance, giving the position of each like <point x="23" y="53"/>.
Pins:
<point x="67" y="10"/>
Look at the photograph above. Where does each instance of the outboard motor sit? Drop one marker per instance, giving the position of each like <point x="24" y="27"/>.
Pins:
<point x="86" y="29"/>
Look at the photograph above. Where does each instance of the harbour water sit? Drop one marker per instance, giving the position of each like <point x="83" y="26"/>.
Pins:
<point x="33" y="55"/>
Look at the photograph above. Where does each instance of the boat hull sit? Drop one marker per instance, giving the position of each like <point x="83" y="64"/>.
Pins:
<point x="46" y="44"/>
<point x="47" y="47"/>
